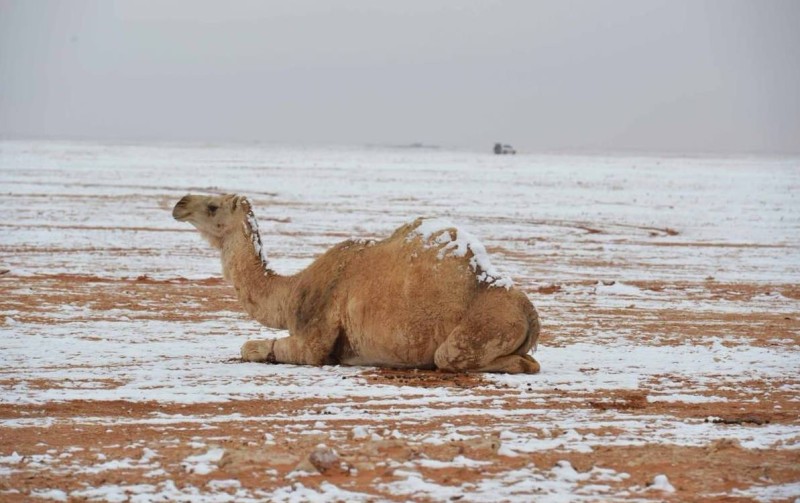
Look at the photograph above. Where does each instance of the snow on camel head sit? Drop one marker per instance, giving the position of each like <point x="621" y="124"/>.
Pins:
<point x="425" y="297"/>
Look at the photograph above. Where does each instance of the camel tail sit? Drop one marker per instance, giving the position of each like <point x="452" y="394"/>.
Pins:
<point x="532" y="336"/>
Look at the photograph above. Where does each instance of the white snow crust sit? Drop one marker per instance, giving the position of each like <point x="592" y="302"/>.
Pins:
<point x="251" y="228"/>
<point x="436" y="232"/>
<point x="565" y="220"/>
<point x="661" y="483"/>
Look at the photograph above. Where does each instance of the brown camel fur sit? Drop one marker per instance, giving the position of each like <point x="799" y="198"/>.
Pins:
<point x="425" y="297"/>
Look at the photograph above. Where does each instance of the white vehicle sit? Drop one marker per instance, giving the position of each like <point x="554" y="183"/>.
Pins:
<point x="501" y="149"/>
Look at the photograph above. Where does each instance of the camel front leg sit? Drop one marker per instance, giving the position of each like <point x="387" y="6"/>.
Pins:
<point x="312" y="348"/>
<point x="302" y="350"/>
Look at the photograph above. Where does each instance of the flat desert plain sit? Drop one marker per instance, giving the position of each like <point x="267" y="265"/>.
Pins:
<point x="668" y="287"/>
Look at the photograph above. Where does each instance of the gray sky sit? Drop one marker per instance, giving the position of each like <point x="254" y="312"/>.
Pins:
<point x="675" y="75"/>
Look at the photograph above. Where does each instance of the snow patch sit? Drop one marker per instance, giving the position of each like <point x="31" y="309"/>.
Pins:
<point x="50" y="494"/>
<point x="297" y="493"/>
<point x="457" y="462"/>
<point x="220" y="485"/>
<point x="13" y="459"/>
<point x="203" y="464"/>
<point x="443" y="234"/>
<point x="360" y="432"/>
<point x="564" y="470"/>
<point x="561" y="483"/>
<point x="617" y="288"/>
<point x="771" y="493"/>
<point x="113" y="493"/>
<point x="661" y="483"/>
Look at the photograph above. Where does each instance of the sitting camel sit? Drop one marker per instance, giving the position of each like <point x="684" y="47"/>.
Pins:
<point x="426" y="297"/>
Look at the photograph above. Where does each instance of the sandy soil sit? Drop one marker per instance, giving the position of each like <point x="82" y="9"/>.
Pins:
<point x="89" y="427"/>
<point x="716" y="468"/>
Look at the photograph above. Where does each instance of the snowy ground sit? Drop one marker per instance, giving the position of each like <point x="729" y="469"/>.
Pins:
<point x="668" y="289"/>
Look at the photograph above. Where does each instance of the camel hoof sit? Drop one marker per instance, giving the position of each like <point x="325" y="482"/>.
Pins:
<point x="531" y="365"/>
<point x="257" y="351"/>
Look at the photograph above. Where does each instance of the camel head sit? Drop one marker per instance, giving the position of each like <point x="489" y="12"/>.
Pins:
<point x="215" y="216"/>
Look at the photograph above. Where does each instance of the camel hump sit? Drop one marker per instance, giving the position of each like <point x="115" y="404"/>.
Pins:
<point x="450" y="240"/>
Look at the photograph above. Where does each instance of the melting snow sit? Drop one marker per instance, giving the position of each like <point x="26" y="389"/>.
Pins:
<point x="50" y="494"/>
<point x="771" y="492"/>
<point x="436" y="232"/>
<point x="251" y="228"/>
<point x="203" y="464"/>
<point x="661" y="483"/>
<point x="728" y="234"/>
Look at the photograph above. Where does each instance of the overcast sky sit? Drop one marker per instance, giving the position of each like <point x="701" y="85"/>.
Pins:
<point x="674" y="75"/>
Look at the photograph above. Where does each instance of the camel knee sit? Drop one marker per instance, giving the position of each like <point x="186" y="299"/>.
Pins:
<point x="453" y="356"/>
<point x="477" y="344"/>
<point x="297" y="350"/>
<point x="446" y="358"/>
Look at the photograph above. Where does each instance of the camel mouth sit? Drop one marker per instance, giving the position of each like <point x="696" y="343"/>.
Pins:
<point x="181" y="211"/>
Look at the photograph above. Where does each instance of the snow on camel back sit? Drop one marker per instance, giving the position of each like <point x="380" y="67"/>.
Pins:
<point x="443" y="234"/>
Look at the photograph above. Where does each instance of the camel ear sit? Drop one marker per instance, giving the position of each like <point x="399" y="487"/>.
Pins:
<point x="244" y="202"/>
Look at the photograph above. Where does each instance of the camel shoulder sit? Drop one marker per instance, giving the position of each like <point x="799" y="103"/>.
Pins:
<point x="315" y="291"/>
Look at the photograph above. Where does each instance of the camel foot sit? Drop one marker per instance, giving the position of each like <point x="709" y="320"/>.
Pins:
<point x="513" y="364"/>
<point x="259" y="351"/>
<point x="534" y="366"/>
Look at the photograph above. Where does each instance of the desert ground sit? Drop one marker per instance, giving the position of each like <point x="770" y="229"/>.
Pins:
<point x="668" y="288"/>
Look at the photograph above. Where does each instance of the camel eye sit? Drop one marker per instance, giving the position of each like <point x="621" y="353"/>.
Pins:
<point x="212" y="208"/>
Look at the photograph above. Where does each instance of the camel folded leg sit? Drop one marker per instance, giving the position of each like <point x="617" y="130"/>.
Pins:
<point x="491" y="340"/>
<point x="513" y="364"/>
<point x="312" y="348"/>
<point x="455" y="357"/>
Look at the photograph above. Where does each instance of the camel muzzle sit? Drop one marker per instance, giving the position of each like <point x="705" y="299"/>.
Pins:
<point x="181" y="211"/>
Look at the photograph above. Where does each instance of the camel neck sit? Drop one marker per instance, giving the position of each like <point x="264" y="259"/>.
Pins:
<point x="262" y="292"/>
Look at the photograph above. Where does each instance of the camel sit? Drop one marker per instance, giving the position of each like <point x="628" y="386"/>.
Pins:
<point x="426" y="297"/>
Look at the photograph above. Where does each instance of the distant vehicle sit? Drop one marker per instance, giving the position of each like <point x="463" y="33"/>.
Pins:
<point x="501" y="149"/>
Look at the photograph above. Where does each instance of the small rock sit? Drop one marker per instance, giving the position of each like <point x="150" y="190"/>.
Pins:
<point x="305" y="466"/>
<point x="549" y="289"/>
<point x="479" y="447"/>
<point x="364" y="466"/>
<point x="722" y="444"/>
<point x="234" y="460"/>
<point x="322" y="459"/>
